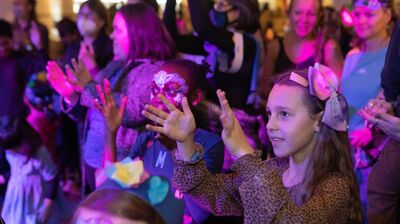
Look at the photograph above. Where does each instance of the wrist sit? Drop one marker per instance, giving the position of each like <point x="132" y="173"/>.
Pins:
<point x="71" y="98"/>
<point x="186" y="149"/>
<point x="243" y="151"/>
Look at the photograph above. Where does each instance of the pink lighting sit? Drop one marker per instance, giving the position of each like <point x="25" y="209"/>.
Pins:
<point x="347" y="19"/>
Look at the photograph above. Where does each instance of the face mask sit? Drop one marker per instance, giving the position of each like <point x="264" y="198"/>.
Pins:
<point x="86" y="26"/>
<point x="18" y="11"/>
<point x="219" y="19"/>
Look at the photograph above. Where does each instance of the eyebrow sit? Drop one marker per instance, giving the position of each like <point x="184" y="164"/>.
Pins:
<point x="279" y="108"/>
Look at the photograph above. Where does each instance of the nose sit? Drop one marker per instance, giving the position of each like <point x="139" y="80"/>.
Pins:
<point x="271" y="124"/>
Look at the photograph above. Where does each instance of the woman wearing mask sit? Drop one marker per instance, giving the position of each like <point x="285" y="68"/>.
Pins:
<point x="302" y="46"/>
<point x="361" y="80"/>
<point x="229" y="38"/>
<point x="94" y="47"/>
<point x="140" y="43"/>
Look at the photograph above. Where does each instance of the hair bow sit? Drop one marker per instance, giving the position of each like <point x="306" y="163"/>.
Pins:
<point x="324" y="84"/>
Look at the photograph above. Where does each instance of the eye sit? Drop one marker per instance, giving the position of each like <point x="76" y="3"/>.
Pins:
<point x="283" y="114"/>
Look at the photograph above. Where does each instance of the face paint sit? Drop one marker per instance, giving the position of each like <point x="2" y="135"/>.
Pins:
<point x="172" y="85"/>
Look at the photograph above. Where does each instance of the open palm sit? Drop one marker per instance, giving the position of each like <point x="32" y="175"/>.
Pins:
<point x="232" y="134"/>
<point x="177" y="125"/>
<point x="58" y="80"/>
<point x="112" y="115"/>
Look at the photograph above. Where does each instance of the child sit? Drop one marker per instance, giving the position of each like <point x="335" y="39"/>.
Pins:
<point x="32" y="186"/>
<point x="176" y="79"/>
<point x="115" y="206"/>
<point x="310" y="181"/>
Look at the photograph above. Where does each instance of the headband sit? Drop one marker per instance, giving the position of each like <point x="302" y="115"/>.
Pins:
<point x="324" y="85"/>
<point x="371" y="4"/>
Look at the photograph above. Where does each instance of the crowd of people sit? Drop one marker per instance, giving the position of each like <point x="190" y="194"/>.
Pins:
<point x="150" y="117"/>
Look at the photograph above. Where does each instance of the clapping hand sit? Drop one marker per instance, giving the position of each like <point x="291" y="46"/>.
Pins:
<point x="59" y="81"/>
<point x="78" y="75"/>
<point x="175" y="124"/>
<point x="112" y="114"/>
<point x="87" y="55"/>
<point x="232" y="134"/>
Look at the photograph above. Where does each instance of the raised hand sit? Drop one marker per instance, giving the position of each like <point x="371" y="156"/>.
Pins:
<point x="87" y="55"/>
<point x="177" y="125"/>
<point x="232" y="134"/>
<point x="78" y="75"/>
<point x="58" y="80"/>
<point x="112" y="114"/>
<point x="361" y="137"/>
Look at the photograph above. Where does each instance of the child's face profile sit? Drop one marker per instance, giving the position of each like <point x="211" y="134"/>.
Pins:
<point x="171" y="85"/>
<point x="291" y="127"/>
<point x="89" y="216"/>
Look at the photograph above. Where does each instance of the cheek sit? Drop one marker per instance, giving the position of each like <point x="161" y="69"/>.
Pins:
<point x="125" y="45"/>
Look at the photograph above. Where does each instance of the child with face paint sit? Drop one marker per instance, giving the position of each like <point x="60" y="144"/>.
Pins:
<point x="140" y="45"/>
<point x="361" y="81"/>
<point x="311" y="179"/>
<point x="175" y="81"/>
<point x="228" y="38"/>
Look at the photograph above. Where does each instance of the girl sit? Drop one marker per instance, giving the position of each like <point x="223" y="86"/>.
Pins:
<point x="302" y="46"/>
<point x="140" y="44"/>
<point x="32" y="184"/>
<point x="361" y="80"/>
<point x="175" y="79"/>
<point x="310" y="181"/>
<point x="115" y="206"/>
<point x="95" y="47"/>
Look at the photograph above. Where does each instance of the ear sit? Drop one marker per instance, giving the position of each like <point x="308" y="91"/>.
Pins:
<point x="197" y="97"/>
<point x="318" y="118"/>
<point x="388" y="14"/>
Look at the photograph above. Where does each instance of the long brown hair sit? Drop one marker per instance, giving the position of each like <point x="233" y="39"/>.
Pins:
<point x="119" y="203"/>
<point x="331" y="153"/>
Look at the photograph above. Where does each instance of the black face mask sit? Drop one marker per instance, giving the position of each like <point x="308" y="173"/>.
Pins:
<point x="220" y="19"/>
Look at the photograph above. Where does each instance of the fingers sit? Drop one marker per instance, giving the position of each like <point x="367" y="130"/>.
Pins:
<point x="387" y="118"/>
<point x="154" y="118"/>
<point x="107" y="92"/>
<point x="166" y="102"/>
<point x="123" y="106"/>
<point x="98" y="106"/>
<point x="156" y="111"/>
<point x="101" y="94"/>
<point x="223" y="102"/>
<point x="155" y="128"/>
<point x="185" y="106"/>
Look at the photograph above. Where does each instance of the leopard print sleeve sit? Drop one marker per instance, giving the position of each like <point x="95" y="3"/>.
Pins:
<point x="215" y="193"/>
<point x="266" y="200"/>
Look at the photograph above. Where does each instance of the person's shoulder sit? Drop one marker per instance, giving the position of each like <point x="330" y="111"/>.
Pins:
<point x="353" y="52"/>
<point x="331" y="45"/>
<point x="206" y="137"/>
<point x="334" y="182"/>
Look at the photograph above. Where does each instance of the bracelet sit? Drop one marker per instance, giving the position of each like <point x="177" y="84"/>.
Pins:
<point x="196" y="157"/>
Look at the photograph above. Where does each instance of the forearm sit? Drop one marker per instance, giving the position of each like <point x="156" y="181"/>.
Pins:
<point x="110" y="148"/>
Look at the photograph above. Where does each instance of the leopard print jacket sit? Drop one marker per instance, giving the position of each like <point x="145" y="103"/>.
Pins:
<point x="255" y="190"/>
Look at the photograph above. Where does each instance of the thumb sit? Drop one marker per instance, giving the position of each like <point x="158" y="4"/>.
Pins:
<point x="123" y="106"/>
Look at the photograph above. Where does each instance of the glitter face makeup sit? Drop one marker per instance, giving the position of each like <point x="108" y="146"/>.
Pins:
<point x="172" y="85"/>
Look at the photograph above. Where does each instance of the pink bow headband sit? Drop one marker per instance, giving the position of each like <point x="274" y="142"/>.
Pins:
<point x="324" y="85"/>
